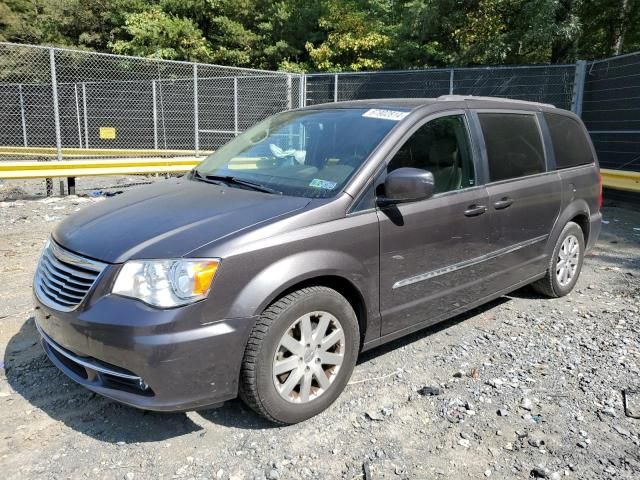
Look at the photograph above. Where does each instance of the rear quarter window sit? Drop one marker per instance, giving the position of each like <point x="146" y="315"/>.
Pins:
<point x="514" y="146"/>
<point x="570" y="144"/>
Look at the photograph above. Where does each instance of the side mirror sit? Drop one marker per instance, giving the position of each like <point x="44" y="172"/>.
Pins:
<point x="407" y="185"/>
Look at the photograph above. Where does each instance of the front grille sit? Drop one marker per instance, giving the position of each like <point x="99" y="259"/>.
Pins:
<point x="63" y="279"/>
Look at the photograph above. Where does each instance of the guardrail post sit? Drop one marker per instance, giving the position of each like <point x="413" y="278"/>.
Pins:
<point x="578" y="87"/>
<point x="84" y="112"/>
<point x="56" y="114"/>
<point x="335" y="88"/>
<point x="235" y="105"/>
<point x="195" y="109"/>
<point x="155" y="114"/>
<point x="451" y="73"/>
<point x="22" y="116"/>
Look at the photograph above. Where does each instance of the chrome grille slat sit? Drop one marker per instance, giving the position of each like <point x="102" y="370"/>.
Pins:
<point x="60" y="266"/>
<point x="56" y="297"/>
<point x="59" y="282"/>
<point x="61" y="291"/>
<point x="61" y="276"/>
<point x="63" y="279"/>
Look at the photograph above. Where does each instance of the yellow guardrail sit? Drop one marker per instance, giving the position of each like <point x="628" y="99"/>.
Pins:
<point x="83" y="168"/>
<point x="621" y="180"/>
<point x="73" y="152"/>
<point x="615" y="179"/>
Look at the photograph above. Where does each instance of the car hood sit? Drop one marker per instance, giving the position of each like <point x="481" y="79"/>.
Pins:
<point x="168" y="219"/>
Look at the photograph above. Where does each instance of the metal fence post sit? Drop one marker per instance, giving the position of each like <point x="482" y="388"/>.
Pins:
<point x="451" y="81"/>
<point x="22" y="117"/>
<point x="335" y="88"/>
<point x="56" y="111"/>
<point x="301" y="94"/>
<point x="84" y="114"/>
<point x="155" y="114"/>
<point x="235" y="105"/>
<point x="578" y="87"/>
<point x="195" y="109"/>
<point x="289" y="99"/>
<point x="56" y="116"/>
<point x="75" y="91"/>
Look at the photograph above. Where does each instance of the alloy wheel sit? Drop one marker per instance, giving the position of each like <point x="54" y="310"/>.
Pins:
<point x="308" y="357"/>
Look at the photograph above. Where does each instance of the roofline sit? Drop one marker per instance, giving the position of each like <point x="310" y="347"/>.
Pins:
<point x="460" y="98"/>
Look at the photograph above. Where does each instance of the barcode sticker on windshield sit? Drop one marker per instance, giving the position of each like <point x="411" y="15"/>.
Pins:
<point x="324" y="184"/>
<point x="385" y="114"/>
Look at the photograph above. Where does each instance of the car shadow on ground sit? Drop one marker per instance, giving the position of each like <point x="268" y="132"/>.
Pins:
<point x="31" y="375"/>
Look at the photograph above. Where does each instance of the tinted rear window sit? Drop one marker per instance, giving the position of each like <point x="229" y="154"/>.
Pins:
<point x="514" y="146"/>
<point x="570" y="144"/>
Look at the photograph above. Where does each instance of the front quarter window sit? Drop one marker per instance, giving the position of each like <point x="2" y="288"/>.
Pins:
<point x="308" y="153"/>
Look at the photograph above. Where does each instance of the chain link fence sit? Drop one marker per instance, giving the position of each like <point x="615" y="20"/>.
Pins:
<point x="550" y="84"/>
<point x="60" y="103"/>
<point x="611" y="110"/>
<point x="67" y="104"/>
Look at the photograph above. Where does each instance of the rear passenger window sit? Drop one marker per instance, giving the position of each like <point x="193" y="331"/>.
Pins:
<point x="570" y="144"/>
<point x="514" y="146"/>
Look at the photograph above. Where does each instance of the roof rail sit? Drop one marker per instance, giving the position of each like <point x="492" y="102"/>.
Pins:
<point x="451" y="98"/>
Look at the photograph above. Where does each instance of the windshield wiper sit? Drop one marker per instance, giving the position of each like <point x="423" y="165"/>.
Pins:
<point x="230" y="180"/>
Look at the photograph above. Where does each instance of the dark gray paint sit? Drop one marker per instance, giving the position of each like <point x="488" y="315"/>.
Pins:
<point x="406" y="266"/>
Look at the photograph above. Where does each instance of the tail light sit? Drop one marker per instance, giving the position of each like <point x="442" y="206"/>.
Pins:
<point x="600" y="197"/>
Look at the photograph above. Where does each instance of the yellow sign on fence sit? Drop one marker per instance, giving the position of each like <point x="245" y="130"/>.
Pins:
<point x="107" y="133"/>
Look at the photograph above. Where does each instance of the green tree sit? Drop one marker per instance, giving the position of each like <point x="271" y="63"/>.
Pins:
<point x="157" y="34"/>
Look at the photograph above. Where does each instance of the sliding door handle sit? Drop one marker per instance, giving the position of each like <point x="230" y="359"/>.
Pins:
<point x="504" y="202"/>
<point x="475" y="210"/>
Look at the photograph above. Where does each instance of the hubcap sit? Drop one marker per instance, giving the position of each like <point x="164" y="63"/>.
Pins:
<point x="567" y="261"/>
<point x="308" y="357"/>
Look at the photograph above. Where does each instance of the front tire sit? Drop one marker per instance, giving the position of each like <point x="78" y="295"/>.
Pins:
<point x="300" y="355"/>
<point x="565" y="264"/>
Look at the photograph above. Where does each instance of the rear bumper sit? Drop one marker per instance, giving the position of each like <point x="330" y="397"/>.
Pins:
<point x="595" y="225"/>
<point x="145" y="357"/>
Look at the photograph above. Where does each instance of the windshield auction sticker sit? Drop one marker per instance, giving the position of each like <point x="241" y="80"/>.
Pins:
<point x="385" y="114"/>
<point x="324" y="184"/>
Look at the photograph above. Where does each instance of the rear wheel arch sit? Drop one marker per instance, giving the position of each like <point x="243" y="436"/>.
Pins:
<point x="582" y="219"/>
<point x="577" y="212"/>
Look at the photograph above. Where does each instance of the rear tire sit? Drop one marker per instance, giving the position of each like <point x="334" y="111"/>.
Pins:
<point x="300" y="355"/>
<point x="565" y="264"/>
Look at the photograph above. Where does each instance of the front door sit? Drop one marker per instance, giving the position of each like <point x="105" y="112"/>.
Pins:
<point x="431" y="250"/>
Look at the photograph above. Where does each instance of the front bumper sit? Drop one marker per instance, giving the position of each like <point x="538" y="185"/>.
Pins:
<point x="165" y="360"/>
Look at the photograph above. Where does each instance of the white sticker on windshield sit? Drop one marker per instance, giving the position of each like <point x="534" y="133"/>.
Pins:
<point x="385" y="114"/>
<point x="325" y="184"/>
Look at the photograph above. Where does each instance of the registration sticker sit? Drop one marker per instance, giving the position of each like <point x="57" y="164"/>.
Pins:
<point x="393" y="115"/>
<point x="324" y="184"/>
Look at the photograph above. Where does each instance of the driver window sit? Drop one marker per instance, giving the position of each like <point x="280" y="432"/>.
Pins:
<point x="442" y="147"/>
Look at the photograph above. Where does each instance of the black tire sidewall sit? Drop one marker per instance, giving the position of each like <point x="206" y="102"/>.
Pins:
<point x="321" y="299"/>
<point x="569" y="229"/>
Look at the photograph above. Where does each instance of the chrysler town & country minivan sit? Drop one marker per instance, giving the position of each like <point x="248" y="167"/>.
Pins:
<point x="316" y="234"/>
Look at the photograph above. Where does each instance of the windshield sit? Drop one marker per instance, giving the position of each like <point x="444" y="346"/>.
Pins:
<point x="308" y="153"/>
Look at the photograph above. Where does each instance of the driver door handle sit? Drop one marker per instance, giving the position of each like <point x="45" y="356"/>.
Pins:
<point x="475" y="210"/>
<point x="504" y="202"/>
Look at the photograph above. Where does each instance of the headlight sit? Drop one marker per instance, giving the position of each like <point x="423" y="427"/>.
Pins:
<point x="166" y="283"/>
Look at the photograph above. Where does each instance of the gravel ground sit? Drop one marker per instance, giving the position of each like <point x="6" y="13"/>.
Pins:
<point x="523" y="387"/>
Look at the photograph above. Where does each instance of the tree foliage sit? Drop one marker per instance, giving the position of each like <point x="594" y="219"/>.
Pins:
<point x="333" y="35"/>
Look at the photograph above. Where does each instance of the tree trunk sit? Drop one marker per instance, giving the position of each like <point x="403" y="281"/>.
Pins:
<point x="622" y="26"/>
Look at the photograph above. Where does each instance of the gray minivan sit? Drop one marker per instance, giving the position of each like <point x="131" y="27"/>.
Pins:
<point x="316" y="234"/>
